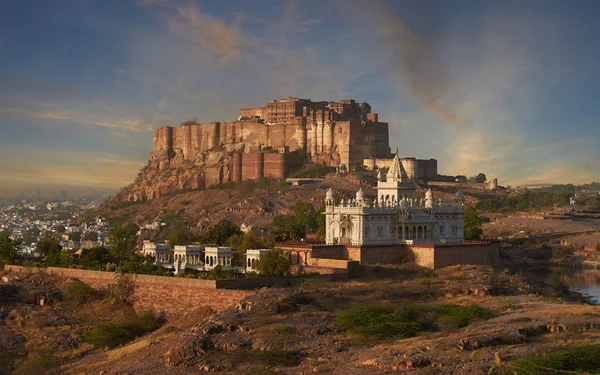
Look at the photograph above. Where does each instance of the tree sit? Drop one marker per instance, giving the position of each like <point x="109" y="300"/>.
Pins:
<point x="94" y="258"/>
<point x="180" y="235"/>
<point x="273" y="263"/>
<point x="321" y="222"/>
<point x="305" y="215"/>
<point x="60" y="229"/>
<point x="242" y="242"/>
<point x="91" y="236"/>
<point x="473" y="228"/>
<point x="8" y="250"/>
<point x="219" y="233"/>
<point x="121" y="239"/>
<point x="31" y="235"/>
<point x="480" y="178"/>
<point x="49" y="248"/>
<point x="75" y="236"/>
<point x="284" y="228"/>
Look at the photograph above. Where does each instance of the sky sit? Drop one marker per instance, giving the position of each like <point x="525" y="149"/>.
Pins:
<point x="508" y="87"/>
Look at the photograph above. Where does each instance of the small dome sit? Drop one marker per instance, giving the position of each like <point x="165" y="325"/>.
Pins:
<point x="429" y="194"/>
<point x="360" y="195"/>
<point x="329" y="194"/>
<point x="460" y="196"/>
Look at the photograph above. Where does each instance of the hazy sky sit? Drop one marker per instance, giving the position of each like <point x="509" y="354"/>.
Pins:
<point x="509" y="88"/>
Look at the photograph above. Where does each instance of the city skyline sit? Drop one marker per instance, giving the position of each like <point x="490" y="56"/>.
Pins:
<point x="504" y="88"/>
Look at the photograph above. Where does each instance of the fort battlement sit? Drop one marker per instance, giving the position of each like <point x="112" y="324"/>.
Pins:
<point x="336" y="133"/>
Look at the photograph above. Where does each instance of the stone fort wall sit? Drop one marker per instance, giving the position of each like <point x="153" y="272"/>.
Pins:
<point x="332" y="132"/>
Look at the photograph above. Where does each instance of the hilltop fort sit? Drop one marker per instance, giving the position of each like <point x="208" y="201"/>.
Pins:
<point x="269" y="141"/>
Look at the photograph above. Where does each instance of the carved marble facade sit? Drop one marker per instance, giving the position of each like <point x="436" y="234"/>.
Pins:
<point x="395" y="216"/>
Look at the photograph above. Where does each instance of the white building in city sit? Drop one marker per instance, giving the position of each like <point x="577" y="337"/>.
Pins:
<point x="395" y="216"/>
<point x="218" y="256"/>
<point x="160" y="251"/>
<point x="253" y="256"/>
<point x="187" y="256"/>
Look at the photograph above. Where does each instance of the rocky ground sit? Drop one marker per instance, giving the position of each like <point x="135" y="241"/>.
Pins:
<point x="294" y="330"/>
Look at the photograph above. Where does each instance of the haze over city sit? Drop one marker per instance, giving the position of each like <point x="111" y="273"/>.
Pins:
<point x="502" y="87"/>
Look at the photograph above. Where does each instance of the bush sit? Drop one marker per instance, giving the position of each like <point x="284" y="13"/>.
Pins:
<point x="516" y="241"/>
<point x="409" y="320"/>
<point x="113" y="334"/>
<point x="38" y="363"/>
<point x="380" y="321"/>
<point x="79" y="293"/>
<point x="424" y="281"/>
<point x="575" y="359"/>
<point x="273" y="263"/>
<point x="122" y="290"/>
<point x="278" y="357"/>
<point x="462" y="316"/>
<point x="311" y="170"/>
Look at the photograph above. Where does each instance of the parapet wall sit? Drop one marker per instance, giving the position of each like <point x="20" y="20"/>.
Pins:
<point x="172" y="295"/>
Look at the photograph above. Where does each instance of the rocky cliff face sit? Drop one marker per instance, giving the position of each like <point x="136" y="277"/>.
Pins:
<point x="167" y="172"/>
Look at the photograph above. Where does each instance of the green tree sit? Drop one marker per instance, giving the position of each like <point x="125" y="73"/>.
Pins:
<point x="321" y="222"/>
<point x="219" y="233"/>
<point x="273" y="263"/>
<point x="91" y="236"/>
<point x="481" y="178"/>
<point x="121" y="239"/>
<point x="75" y="236"/>
<point x="31" y="235"/>
<point x="285" y="228"/>
<point x="180" y="235"/>
<point x="60" y="229"/>
<point x="8" y="250"/>
<point x="94" y="258"/>
<point x="305" y="215"/>
<point x="49" y="248"/>
<point x="473" y="228"/>
<point x="242" y="242"/>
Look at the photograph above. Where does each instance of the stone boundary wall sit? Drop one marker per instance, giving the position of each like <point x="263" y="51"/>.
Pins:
<point x="175" y="296"/>
<point x="443" y="256"/>
<point x="172" y="296"/>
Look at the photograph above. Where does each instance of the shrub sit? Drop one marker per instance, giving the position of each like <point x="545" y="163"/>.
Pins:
<point x="278" y="357"/>
<point x="380" y="321"/>
<point x="109" y="335"/>
<point x="273" y="263"/>
<point x="113" y="334"/>
<point x="38" y="363"/>
<point x="462" y="316"/>
<point x="311" y="170"/>
<point x="428" y="273"/>
<point x="122" y="290"/>
<point x="516" y="241"/>
<point x="575" y="359"/>
<point x="424" y="281"/>
<point x="408" y="320"/>
<point x="287" y="331"/>
<point x="79" y="293"/>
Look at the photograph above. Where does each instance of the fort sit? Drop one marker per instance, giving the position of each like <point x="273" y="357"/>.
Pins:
<point x="272" y="142"/>
<point x="335" y="133"/>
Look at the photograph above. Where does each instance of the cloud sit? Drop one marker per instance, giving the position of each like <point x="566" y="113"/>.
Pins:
<point x="36" y="114"/>
<point x="209" y="35"/>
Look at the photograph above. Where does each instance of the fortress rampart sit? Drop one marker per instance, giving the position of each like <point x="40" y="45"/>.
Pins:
<point x="332" y="132"/>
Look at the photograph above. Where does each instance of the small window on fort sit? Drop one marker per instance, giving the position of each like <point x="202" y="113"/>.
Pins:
<point x="379" y="231"/>
<point x="341" y="130"/>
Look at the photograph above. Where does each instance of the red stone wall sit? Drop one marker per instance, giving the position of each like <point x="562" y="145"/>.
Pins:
<point x="172" y="295"/>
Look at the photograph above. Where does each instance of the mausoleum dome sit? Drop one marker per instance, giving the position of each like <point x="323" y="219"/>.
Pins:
<point x="329" y="194"/>
<point x="360" y="195"/>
